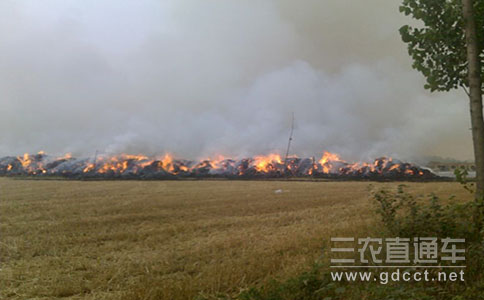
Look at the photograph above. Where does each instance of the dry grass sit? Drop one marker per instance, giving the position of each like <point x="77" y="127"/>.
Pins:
<point x="170" y="239"/>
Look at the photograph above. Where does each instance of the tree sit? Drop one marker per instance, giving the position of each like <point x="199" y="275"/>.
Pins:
<point x="448" y="49"/>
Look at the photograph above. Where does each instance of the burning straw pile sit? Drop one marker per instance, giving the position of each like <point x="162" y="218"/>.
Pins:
<point x="124" y="166"/>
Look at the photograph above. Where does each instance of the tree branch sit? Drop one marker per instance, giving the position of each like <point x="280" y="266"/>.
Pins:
<point x="465" y="90"/>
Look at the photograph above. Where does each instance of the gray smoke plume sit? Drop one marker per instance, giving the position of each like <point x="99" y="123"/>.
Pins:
<point x="197" y="78"/>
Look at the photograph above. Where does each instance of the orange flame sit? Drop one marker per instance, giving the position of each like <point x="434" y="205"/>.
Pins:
<point x="25" y="160"/>
<point x="88" y="168"/>
<point x="220" y="165"/>
<point x="327" y="159"/>
<point x="167" y="163"/>
<point x="66" y="156"/>
<point x="266" y="163"/>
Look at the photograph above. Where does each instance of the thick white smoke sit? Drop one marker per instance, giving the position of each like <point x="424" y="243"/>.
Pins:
<point x="197" y="78"/>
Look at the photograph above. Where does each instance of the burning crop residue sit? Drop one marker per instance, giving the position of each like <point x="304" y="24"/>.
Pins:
<point x="127" y="166"/>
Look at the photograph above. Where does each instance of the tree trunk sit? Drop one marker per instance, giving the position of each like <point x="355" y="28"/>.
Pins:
<point x="475" y="94"/>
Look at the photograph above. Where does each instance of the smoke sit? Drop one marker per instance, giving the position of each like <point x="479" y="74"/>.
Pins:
<point x="196" y="78"/>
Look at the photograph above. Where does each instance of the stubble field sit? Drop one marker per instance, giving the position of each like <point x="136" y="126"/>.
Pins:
<point x="171" y="239"/>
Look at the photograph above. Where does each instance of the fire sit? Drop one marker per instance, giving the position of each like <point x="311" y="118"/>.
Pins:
<point x="409" y="172"/>
<point x="328" y="157"/>
<point x="115" y="164"/>
<point x="134" y="157"/>
<point x="216" y="162"/>
<point x="326" y="161"/>
<point x="167" y="163"/>
<point x="266" y="163"/>
<point x="66" y="156"/>
<point x="25" y="160"/>
<point x="166" y="166"/>
<point x="89" y="168"/>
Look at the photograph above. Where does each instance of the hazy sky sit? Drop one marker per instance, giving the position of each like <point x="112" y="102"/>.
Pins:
<point x="218" y="76"/>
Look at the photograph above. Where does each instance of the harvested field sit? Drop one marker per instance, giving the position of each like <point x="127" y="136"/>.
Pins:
<point x="171" y="239"/>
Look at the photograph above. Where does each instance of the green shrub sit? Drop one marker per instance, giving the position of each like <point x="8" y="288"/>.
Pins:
<point x="405" y="215"/>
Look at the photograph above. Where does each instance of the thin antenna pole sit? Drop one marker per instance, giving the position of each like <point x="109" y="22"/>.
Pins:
<point x="289" y="143"/>
<point x="95" y="159"/>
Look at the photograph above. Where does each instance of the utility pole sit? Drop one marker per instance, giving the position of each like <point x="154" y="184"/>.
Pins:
<point x="94" y="161"/>
<point x="289" y="143"/>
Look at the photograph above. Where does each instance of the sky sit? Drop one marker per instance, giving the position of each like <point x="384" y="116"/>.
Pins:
<point x="199" y="78"/>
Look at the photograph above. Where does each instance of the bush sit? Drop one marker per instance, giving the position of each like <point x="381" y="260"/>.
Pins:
<point x="405" y="215"/>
